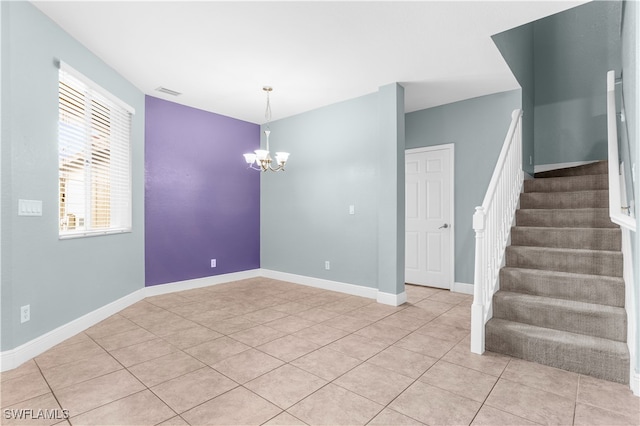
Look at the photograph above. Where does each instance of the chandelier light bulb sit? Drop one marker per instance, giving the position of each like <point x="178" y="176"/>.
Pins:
<point x="281" y="158"/>
<point x="250" y="158"/>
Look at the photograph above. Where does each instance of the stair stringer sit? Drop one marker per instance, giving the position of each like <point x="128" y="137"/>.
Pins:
<point x="631" y="307"/>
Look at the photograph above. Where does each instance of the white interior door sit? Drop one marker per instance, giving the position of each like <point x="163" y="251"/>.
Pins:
<point x="429" y="216"/>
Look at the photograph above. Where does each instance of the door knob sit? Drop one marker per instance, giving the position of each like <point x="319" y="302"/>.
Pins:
<point x="445" y="226"/>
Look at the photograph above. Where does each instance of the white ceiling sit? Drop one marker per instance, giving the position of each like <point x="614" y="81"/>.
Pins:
<point x="220" y="54"/>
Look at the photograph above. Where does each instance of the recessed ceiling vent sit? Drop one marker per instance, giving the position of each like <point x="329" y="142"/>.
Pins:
<point x="168" y="91"/>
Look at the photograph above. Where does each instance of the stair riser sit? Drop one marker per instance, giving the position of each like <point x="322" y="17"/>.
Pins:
<point x="561" y="298"/>
<point x="565" y="184"/>
<point x="590" y="289"/>
<point x="591" y="263"/>
<point x="594" y="362"/>
<point x="584" y="218"/>
<point x="607" y="323"/>
<point x="564" y="200"/>
<point x="591" y="239"/>
<point x="597" y="168"/>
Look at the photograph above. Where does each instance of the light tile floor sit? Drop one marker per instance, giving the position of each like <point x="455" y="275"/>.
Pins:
<point x="261" y="351"/>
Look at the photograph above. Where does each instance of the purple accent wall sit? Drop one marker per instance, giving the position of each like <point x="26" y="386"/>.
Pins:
<point x="201" y="202"/>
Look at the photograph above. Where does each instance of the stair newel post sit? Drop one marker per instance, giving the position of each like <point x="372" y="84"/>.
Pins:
<point x="478" y="307"/>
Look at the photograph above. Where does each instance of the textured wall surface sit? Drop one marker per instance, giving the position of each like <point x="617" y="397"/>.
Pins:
<point x="305" y="210"/>
<point x="561" y="63"/>
<point x="201" y="202"/>
<point x="573" y="51"/>
<point x="516" y="46"/>
<point x="477" y="127"/>
<point x="60" y="279"/>
<point x="336" y="160"/>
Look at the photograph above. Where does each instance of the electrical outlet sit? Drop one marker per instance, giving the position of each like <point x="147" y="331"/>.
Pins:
<point x="531" y="160"/>
<point x="213" y="263"/>
<point x="327" y="265"/>
<point x="25" y="313"/>
<point x="352" y="209"/>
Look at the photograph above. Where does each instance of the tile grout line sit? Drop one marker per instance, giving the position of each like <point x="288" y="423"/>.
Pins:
<point x="321" y="347"/>
<point x="575" y="404"/>
<point x="127" y="370"/>
<point x="238" y="384"/>
<point x="181" y="350"/>
<point x="50" y="388"/>
<point x="418" y="379"/>
<point x="370" y="357"/>
<point x="300" y="314"/>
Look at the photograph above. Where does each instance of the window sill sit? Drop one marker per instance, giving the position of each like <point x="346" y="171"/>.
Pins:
<point x="85" y="234"/>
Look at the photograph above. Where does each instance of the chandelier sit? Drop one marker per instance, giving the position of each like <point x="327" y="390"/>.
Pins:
<point x="261" y="159"/>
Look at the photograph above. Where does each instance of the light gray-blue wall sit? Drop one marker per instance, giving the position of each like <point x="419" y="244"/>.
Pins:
<point x="516" y="46"/>
<point x="60" y="279"/>
<point x="477" y="127"/>
<point x="573" y="50"/>
<point x="631" y="93"/>
<point x="391" y="192"/>
<point x="5" y="299"/>
<point x="337" y="156"/>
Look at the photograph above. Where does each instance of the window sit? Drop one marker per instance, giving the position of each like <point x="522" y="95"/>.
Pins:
<point x="94" y="158"/>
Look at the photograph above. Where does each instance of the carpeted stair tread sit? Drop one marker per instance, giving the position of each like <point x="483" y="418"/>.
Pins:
<point x="564" y="285"/>
<point x="607" y="322"/>
<point x="562" y="296"/>
<point x="591" y="262"/>
<point x="596" y="168"/>
<point x="602" y="358"/>
<point x="565" y="200"/>
<point x="566" y="184"/>
<point x="580" y="238"/>
<point x="563" y="218"/>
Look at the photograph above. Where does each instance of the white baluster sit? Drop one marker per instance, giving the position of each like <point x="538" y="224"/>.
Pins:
<point x="492" y="224"/>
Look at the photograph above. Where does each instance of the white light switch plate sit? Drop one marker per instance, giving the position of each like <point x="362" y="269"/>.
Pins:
<point x="29" y="207"/>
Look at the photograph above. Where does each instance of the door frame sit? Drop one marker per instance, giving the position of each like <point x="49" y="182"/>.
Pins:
<point x="452" y="175"/>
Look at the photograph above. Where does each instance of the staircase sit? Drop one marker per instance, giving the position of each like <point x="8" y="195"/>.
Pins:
<point x="561" y="297"/>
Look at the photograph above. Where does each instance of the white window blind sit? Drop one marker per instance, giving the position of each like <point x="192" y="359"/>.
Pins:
<point x="94" y="158"/>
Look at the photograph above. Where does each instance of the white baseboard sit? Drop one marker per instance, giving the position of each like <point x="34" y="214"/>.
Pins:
<point x="635" y="383"/>
<point x="356" y="290"/>
<point x="13" y="358"/>
<point x="391" y="299"/>
<point x="462" y="288"/>
<point x="173" y="287"/>
<point x="546" y="167"/>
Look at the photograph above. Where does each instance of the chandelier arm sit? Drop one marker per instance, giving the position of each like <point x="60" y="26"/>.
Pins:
<point x="265" y="166"/>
